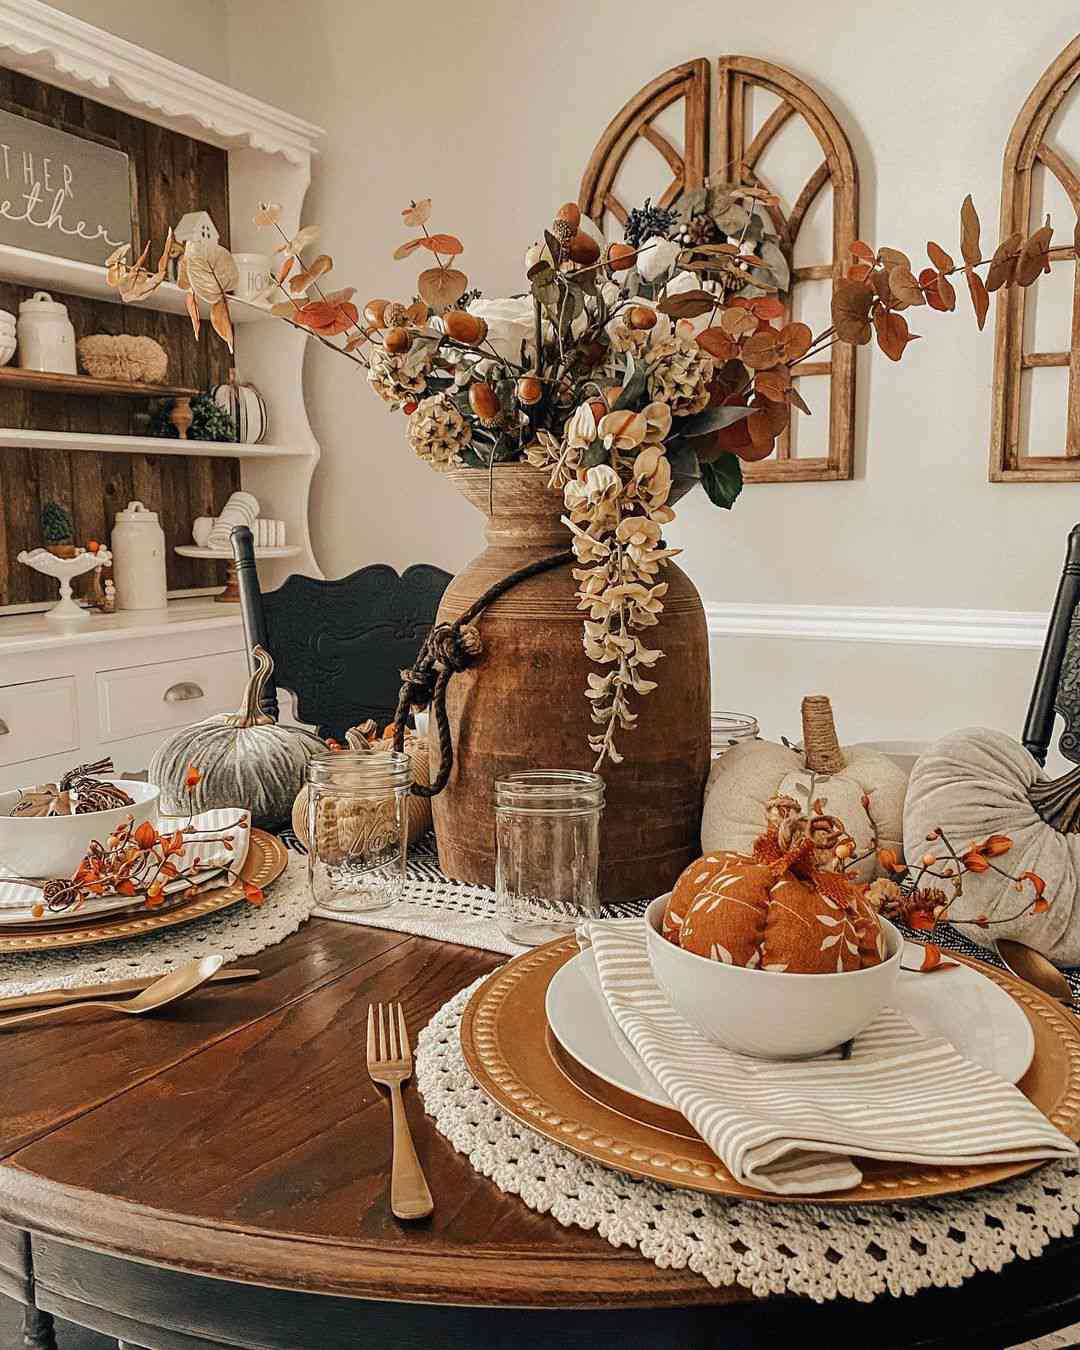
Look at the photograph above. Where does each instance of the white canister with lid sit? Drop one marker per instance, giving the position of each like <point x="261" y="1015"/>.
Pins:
<point x="46" y="337"/>
<point x="138" y="548"/>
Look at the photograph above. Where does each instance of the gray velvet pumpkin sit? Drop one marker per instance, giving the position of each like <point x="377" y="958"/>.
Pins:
<point x="245" y="759"/>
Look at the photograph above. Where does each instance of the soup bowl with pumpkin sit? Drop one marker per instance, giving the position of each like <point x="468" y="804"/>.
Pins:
<point x="769" y="962"/>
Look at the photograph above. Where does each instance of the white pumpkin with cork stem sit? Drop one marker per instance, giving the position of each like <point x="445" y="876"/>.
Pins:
<point x="849" y="792"/>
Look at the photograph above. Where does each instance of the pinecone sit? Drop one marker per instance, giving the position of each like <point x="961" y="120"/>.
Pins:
<point x="438" y="432"/>
<point x="648" y="222"/>
<point x="678" y="374"/>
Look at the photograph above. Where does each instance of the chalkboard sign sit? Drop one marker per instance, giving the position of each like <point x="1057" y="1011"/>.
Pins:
<point x="60" y="193"/>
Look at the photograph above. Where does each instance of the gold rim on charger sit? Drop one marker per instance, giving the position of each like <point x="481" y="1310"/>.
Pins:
<point x="267" y="857"/>
<point x="514" y="1057"/>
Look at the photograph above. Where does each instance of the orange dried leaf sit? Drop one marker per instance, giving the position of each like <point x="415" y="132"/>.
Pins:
<point x="449" y="244"/>
<point x="761" y="351"/>
<point x="859" y="249"/>
<point x="253" y="894"/>
<point x="892" y="333"/>
<point x="193" y="312"/>
<point x="860" y="271"/>
<point x="980" y="298"/>
<point x="773" y="384"/>
<point x="970" y="230"/>
<point x="222" y="322"/>
<point x="797" y="401"/>
<point x="1036" y="881"/>
<point x="768" y="307"/>
<point x="287" y="265"/>
<point x="145" y="835"/>
<point x="937" y="255"/>
<point x="409" y="246"/>
<point x="995" y="846"/>
<point x="928" y="280"/>
<point x="1034" y="256"/>
<point x="795" y="341"/>
<point x="974" y="861"/>
<point x="905" y="288"/>
<point x="851" y="304"/>
<point x="442" y="286"/>
<point x="933" y="959"/>
<point x="892" y="257"/>
<point x="1003" y="263"/>
<point x="417" y="213"/>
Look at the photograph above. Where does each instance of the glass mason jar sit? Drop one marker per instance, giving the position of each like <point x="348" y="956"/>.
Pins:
<point x="357" y="804"/>
<point x="728" y="728"/>
<point x="547" y="834"/>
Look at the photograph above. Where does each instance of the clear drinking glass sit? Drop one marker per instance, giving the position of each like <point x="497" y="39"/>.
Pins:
<point x="547" y="834"/>
<point x="728" y="728"/>
<point x="357" y="804"/>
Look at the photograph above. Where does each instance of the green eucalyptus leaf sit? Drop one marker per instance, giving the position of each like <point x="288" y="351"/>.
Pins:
<point x="683" y="461"/>
<point x="712" y="419"/>
<point x="633" y="392"/>
<point x="594" y="454"/>
<point x="723" y="480"/>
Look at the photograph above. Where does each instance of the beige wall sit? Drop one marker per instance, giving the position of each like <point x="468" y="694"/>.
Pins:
<point x="192" y="33"/>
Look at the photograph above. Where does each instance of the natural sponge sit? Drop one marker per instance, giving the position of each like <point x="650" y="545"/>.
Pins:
<point x="137" y="360"/>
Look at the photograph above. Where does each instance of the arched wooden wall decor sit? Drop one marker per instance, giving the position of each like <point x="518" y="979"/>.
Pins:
<point x="1028" y="145"/>
<point x="733" y="156"/>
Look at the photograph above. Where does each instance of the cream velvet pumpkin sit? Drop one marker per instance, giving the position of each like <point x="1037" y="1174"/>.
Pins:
<point x="747" y="777"/>
<point x="975" y="783"/>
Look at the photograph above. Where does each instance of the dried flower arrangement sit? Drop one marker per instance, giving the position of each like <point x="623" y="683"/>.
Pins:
<point x="625" y="376"/>
<point x="921" y="897"/>
<point x="139" y="860"/>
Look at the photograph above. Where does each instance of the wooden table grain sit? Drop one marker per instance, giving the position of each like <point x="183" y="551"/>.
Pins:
<point x="219" y="1175"/>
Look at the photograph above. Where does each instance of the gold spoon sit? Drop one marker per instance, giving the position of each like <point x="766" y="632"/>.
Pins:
<point x="176" y="985"/>
<point x="1034" y="968"/>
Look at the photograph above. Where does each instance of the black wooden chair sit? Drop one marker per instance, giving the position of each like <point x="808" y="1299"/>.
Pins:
<point x="339" y="646"/>
<point x="1057" y="683"/>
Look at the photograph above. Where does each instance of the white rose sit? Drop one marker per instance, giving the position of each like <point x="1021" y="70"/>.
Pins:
<point x="657" y="257"/>
<point x="509" y="321"/>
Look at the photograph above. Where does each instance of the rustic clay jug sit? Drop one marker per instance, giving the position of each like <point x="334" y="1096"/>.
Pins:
<point x="523" y="705"/>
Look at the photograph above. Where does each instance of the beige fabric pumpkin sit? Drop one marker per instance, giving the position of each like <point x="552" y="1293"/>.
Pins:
<point x="745" y="779"/>
<point x="975" y="783"/>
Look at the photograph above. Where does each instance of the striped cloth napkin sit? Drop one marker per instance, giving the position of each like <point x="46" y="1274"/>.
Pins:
<point x="790" y="1127"/>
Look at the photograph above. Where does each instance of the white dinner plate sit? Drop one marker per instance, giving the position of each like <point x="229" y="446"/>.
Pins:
<point x="976" y="1015"/>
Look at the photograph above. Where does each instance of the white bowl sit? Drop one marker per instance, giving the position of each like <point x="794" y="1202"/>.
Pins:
<point x="770" y="1014"/>
<point x="54" y="846"/>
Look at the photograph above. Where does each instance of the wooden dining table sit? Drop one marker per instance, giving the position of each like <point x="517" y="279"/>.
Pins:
<point x="218" y="1175"/>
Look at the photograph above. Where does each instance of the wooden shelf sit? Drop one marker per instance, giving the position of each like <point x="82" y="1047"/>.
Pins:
<point x="44" y="272"/>
<point x="52" y="382"/>
<point x="142" y="445"/>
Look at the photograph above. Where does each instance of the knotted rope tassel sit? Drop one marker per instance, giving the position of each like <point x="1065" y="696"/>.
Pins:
<point x="451" y="647"/>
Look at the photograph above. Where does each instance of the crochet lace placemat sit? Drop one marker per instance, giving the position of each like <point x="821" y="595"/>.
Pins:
<point x="241" y="930"/>
<point x="433" y="906"/>
<point x="819" y="1251"/>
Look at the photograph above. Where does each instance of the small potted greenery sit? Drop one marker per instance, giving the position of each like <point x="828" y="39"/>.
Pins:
<point x="57" y="530"/>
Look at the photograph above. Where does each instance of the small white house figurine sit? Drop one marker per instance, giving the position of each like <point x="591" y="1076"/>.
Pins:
<point x="196" y="225"/>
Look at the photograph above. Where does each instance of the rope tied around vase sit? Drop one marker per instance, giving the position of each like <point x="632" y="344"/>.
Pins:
<point x="449" y="648"/>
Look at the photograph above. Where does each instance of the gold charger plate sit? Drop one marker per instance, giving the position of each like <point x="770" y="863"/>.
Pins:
<point x="513" y="1057"/>
<point x="267" y="857"/>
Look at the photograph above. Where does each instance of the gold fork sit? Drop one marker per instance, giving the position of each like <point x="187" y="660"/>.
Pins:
<point x="389" y="1062"/>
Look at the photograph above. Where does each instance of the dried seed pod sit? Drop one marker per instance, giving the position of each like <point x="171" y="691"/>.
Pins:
<point x="563" y="231"/>
<point x="373" y="313"/>
<point x="571" y="213"/>
<point x="584" y="249"/>
<point x="394" y="315"/>
<point x="484" y="402"/>
<point x="620" y="257"/>
<point x="641" y="317"/>
<point x="529" y="390"/>
<point x="598" y="407"/>
<point x="463" y="327"/>
<point x="397" y="341"/>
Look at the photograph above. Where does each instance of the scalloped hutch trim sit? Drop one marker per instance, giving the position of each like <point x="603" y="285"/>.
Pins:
<point x="36" y="39"/>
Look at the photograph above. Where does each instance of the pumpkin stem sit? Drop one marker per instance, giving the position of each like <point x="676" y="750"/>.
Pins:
<point x="249" y="713"/>
<point x="820" y="743"/>
<point x="1058" y="801"/>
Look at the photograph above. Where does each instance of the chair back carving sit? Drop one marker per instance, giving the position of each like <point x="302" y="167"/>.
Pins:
<point x="339" y="646"/>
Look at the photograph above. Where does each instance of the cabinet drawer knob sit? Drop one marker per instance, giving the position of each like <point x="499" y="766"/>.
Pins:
<point x="184" y="692"/>
<point x="5" y="730"/>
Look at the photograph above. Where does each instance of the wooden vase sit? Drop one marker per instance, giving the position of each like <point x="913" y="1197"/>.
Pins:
<point x="523" y="704"/>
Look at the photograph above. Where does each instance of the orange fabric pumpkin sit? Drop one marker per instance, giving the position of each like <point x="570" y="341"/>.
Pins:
<point x="774" y="911"/>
